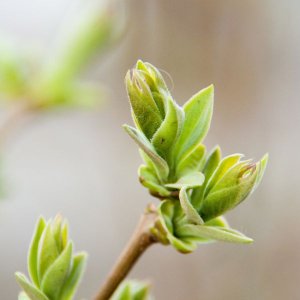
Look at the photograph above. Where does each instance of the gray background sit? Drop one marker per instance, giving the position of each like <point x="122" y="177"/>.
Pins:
<point x="82" y="164"/>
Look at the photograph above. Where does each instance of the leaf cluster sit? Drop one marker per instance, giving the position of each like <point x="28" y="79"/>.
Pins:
<point x="54" y="270"/>
<point x="196" y="187"/>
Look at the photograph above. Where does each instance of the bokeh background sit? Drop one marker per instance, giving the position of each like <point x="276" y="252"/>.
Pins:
<point x="82" y="164"/>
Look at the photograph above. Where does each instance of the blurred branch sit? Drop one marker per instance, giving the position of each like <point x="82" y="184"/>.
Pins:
<point x="56" y="82"/>
<point x="19" y="113"/>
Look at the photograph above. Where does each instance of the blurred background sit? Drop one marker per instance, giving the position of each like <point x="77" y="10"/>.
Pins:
<point x="82" y="164"/>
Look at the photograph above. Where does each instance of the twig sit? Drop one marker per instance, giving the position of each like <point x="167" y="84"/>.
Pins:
<point x="139" y="242"/>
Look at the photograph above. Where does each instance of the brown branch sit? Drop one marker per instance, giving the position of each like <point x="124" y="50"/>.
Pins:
<point x="139" y="242"/>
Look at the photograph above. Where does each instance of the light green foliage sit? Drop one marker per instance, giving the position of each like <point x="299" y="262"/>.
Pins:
<point x="196" y="188"/>
<point x="157" y="162"/>
<point x="229" y="185"/>
<point x="55" y="81"/>
<point x="198" y="113"/>
<point x="59" y="84"/>
<point x="13" y="72"/>
<point x="185" y="232"/>
<point x="54" y="270"/>
<point x="132" y="290"/>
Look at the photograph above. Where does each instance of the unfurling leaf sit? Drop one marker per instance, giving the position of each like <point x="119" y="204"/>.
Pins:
<point x="33" y="251"/>
<point x="209" y="167"/>
<point x="132" y="290"/>
<point x="191" y="213"/>
<point x="149" y="180"/>
<point x="168" y="132"/>
<point x="159" y="163"/>
<point x="145" y="111"/>
<point x="198" y="113"/>
<point x="57" y="273"/>
<point x="189" y="180"/>
<point x="192" y="162"/>
<point x="70" y="285"/>
<point x="214" y="233"/>
<point x="54" y="270"/>
<point x="229" y="186"/>
<point x="32" y="292"/>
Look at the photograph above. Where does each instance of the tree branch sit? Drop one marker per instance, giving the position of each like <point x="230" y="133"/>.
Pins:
<point x="141" y="239"/>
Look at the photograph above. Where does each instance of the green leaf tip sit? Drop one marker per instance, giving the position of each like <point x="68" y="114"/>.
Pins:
<point x="132" y="290"/>
<point x="53" y="268"/>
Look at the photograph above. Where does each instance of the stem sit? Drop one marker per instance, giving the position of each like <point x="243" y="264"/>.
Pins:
<point x="141" y="239"/>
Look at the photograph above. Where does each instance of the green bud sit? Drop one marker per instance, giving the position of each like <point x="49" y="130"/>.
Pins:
<point x="53" y="268"/>
<point x="154" y="111"/>
<point x="173" y="133"/>
<point x="197" y="188"/>
<point x="232" y="181"/>
<point x="227" y="183"/>
<point x="146" y="102"/>
<point x="132" y="290"/>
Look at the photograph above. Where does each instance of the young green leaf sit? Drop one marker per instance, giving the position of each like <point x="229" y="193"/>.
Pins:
<point x="233" y="188"/>
<point x="56" y="274"/>
<point x="149" y="180"/>
<point x="167" y="211"/>
<point x="159" y="163"/>
<point x="191" y="213"/>
<point x="122" y="293"/>
<point x="132" y="290"/>
<point x="198" y="113"/>
<point x="33" y="251"/>
<point x="183" y="245"/>
<point x="32" y="292"/>
<point x="192" y="162"/>
<point x="211" y="164"/>
<point x="64" y="234"/>
<point x="215" y="233"/>
<point x="56" y="229"/>
<point x="146" y="114"/>
<point x="156" y="84"/>
<point x="140" y="290"/>
<point x="218" y="221"/>
<point x="69" y="288"/>
<point x="190" y="180"/>
<point x="152" y="76"/>
<point x="222" y="168"/>
<point x="47" y="251"/>
<point x="166" y="135"/>
<point x="261" y="167"/>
